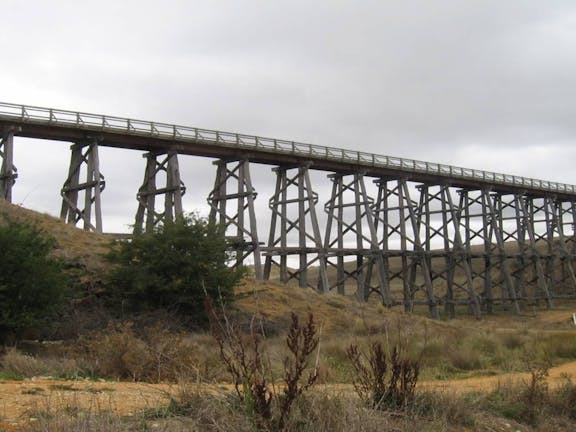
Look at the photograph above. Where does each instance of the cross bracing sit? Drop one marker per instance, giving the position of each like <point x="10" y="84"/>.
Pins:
<point x="414" y="235"/>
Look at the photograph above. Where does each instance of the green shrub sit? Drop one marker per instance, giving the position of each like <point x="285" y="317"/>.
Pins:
<point x="564" y="399"/>
<point x="485" y="345"/>
<point x="449" y="408"/>
<point x="465" y="359"/>
<point x="512" y="341"/>
<point x="32" y="283"/>
<point x="173" y="268"/>
<point x="561" y="345"/>
<point x="433" y="353"/>
<point x="525" y="402"/>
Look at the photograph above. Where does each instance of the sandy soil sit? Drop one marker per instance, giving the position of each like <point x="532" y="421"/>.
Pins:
<point x="23" y="401"/>
<point x="557" y="376"/>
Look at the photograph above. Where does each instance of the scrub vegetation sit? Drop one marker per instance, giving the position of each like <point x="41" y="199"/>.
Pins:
<point x="32" y="283"/>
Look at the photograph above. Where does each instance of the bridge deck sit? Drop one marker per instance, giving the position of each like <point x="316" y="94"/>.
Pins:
<point x="63" y="125"/>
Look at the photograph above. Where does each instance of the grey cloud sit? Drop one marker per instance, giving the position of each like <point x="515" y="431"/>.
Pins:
<point x="482" y="83"/>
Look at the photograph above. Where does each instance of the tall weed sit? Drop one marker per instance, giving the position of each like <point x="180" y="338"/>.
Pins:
<point x="248" y="365"/>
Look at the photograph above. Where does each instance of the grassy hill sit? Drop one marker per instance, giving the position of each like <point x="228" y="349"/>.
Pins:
<point x="73" y="245"/>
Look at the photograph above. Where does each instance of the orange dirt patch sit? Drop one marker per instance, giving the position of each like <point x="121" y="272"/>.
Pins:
<point x="556" y="377"/>
<point x="22" y="401"/>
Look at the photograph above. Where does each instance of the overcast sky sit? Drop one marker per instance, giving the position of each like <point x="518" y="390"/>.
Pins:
<point x="488" y="84"/>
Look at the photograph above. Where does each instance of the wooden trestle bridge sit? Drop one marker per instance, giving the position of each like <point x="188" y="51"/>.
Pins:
<point x="433" y="235"/>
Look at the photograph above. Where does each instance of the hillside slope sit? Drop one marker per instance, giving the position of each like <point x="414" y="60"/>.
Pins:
<point x="72" y="244"/>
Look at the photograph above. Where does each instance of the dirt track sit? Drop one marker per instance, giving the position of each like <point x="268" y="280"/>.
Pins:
<point x="556" y="377"/>
<point x="21" y="401"/>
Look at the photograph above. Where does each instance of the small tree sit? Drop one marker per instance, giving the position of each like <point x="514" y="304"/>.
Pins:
<point x="32" y="283"/>
<point x="172" y="268"/>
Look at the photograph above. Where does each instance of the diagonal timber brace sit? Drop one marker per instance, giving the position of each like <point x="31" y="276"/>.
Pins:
<point x="560" y="223"/>
<point x="397" y="226"/>
<point x="242" y="236"/>
<point x="351" y="231"/>
<point x="147" y="217"/>
<point x="439" y="220"/>
<point x="293" y="208"/>
<point x="84" y="154"/>
<point x="498" y="266"/>
<point x="526" y="213"/>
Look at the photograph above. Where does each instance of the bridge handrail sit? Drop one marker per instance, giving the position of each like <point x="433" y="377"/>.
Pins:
<point x="34" y="114"/>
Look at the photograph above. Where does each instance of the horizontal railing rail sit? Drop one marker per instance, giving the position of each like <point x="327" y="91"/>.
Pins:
<point x="113" y="124"/>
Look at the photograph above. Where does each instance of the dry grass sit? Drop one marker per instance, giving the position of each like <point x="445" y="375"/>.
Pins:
<point x="457" y="348"/>
<point x="322" y="411"/>
<point x="274" y="302"/>
<point x="73" y="244"/>
<point x="454" y="349"/>
<point x="16" y="364"/>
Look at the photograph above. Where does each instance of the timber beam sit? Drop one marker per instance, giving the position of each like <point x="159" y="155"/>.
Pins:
<point x="8" y="172"/>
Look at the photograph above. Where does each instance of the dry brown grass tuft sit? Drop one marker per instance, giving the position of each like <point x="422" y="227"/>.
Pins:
<point x="15" y="363"/>
<point x="154" y="354"/>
